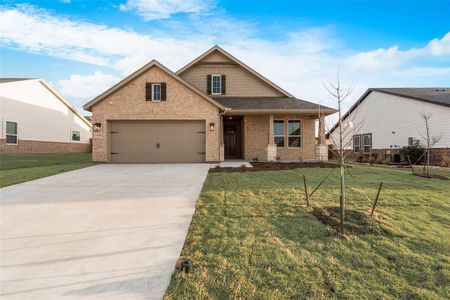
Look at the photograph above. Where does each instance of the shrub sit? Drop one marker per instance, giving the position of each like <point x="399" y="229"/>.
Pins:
<point x="415" y="153"/>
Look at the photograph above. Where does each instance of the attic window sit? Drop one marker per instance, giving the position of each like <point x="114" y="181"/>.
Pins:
<point x="216" y="84"/>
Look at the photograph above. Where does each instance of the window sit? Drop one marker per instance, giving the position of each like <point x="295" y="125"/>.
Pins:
<point x="76" y="135"/>
<point x="156" y="92"/>
<point x="294" y="138"/>
<point x="216" y="83"/>
<point x="11" y="132"/>
<point x="278" y="132"/>
<point x="356" y="143"/>
<point x="367" y="142"/>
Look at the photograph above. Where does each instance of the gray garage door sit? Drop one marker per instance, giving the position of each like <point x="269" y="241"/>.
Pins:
<point x="157" y="141"/>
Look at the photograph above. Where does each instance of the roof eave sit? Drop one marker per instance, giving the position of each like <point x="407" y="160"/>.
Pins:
<point x="329" y="111"/>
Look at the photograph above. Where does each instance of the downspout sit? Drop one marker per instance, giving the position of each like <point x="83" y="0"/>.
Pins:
<point x="221" y="129"/>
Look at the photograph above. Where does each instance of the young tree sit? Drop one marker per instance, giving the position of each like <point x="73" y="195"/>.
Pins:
<point x="429" y="138"/>
<point x="340" y="93"/>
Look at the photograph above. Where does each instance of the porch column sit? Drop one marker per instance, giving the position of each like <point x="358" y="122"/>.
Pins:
<point x="271" y="146"/>
<point x="221" y="143"/>
<point x="321" y="147"/>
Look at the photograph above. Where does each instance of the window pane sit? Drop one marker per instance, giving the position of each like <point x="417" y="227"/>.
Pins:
<point x="278" y="127"/>
<point x="11" y="139"/>
<point x="156" y="92"/>
<point x="294" y="127"/>
<point x="294" y="141"/>
<point x="11" y="127"/>
<point x="366" y="139"/>
<point x="75" y="135"/>
<point x="279" y="141"/>
<point x="216" y="85"/>
<point x="366" y="149"/>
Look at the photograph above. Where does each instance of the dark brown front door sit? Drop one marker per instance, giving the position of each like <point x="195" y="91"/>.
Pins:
<point x="230" y="141"/>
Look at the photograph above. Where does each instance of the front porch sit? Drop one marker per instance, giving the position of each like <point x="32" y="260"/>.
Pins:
<point x="272" y="137"/>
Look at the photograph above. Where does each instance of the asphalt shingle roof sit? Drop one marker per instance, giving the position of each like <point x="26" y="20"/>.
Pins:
<point x="439" y="96"/>
<point x="4" y="80"/>
<point x="272" y="103"/>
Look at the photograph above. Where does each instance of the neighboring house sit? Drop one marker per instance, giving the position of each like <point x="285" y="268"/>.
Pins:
<point x="214" y="108"/>
<point x="387" y="119"/>
<point x="36" y="119"/>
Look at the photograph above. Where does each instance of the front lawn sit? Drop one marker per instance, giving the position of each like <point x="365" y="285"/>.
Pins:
<point x="16" y="168"/>
<point x="252" y="237"/>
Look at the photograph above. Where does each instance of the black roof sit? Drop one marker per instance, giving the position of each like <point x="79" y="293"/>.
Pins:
<point x="4" y="80"/>
<point x="436" y="95"/>
<point x="440" y="96"/>
<point x="272" y="103"/>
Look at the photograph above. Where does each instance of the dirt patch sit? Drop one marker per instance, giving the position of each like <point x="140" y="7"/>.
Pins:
<point x="273" y="166"/>
<point x="432" y="176"/>
<point x="356" y="222"/>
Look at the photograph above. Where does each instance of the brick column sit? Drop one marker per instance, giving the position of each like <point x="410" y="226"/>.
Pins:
<point x="271" y="146"/>
<point x="321" y="147"/>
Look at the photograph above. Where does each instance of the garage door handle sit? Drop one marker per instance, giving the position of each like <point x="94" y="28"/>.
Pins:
<point x="157" y="145"/>
<point x="200" y="152"/>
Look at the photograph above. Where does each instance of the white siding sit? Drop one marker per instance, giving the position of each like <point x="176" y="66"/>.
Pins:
<point x="382" y="114"/>
<point x="39" y="114"/>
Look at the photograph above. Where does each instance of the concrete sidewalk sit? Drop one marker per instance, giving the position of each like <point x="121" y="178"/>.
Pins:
<point x="103" y="232"/>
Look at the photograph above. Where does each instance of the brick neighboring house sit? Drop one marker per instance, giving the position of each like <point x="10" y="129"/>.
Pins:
<point x="389" y="119"/>
<point x="36" y="119"/>
<point x="214" y="108"/>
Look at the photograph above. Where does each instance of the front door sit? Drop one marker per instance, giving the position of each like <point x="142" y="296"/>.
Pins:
<point x="230" y="141"/>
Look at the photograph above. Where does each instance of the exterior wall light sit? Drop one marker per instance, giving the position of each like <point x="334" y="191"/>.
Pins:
<point x="211" y="126"/>
<point x="96" y="126"/>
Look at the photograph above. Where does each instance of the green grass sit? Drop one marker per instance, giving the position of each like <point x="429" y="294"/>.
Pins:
<point x="17" y="168"/>
<point x="252" y="237"/>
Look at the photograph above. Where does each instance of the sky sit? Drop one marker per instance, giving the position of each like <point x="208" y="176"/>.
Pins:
<point x="84" y="47"/>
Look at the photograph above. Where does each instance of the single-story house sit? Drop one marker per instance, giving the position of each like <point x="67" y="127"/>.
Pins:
<point x="214" y="108"/>
<point x="383" y="120"/>
<point x="36" y="119"/>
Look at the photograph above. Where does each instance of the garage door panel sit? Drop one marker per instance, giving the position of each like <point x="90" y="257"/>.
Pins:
<point x="158" y="141"/>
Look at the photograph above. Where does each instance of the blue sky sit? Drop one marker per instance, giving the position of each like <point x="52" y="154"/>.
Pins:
<point x="83" y="47"/>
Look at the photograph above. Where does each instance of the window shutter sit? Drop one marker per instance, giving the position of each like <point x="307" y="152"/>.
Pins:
<point x="224" y="84"/>
<point x="208" y="84"/>
<point x="163" y="91"/>
<point x="148" y="91"/>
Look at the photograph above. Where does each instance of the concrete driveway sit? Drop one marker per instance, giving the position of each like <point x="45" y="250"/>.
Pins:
<point x="103" y="232"/>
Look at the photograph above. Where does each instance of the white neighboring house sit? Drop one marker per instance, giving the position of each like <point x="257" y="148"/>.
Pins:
<point x="389" y="119"/>
<point x="36" y="119"/>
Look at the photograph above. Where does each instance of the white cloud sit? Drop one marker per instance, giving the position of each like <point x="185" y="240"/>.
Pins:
<point x="79" y="88"/>
<point x="440" y="47"/>
<point x="163" y="9"/>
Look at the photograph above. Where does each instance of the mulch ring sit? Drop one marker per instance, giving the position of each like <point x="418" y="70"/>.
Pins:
<point x="432" y="176"/>
<point x="273" y="166"/>
<point x="356" y="222"/>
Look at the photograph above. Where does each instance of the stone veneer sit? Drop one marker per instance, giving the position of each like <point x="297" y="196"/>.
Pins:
<point x="28" y="146"/>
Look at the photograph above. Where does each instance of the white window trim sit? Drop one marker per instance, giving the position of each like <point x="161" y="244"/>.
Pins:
<point x="17" y="134"/>
<point x="71" y="135"/>
<point x="153" y="93"/>
<point x="280" y="135"/>
<point x="363" y="145"/>
<point x="220" y="84"/>
<point x="300" y="135"/>
<point x="359" y="146"/>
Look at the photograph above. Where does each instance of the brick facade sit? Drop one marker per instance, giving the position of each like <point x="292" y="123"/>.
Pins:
<point x="27" y="146"/>
<point x="256" y="138"/>
<point x="128" y="103"/>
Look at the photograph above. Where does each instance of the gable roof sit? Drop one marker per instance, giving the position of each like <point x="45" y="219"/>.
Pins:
<point x="439" y="96"/>
<point x="272" y="104"/>
<point x="143" y="69"/>
<point x="50" y="90"/>
<point x="64" y="101"/>
<point x="240" y="63"/>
